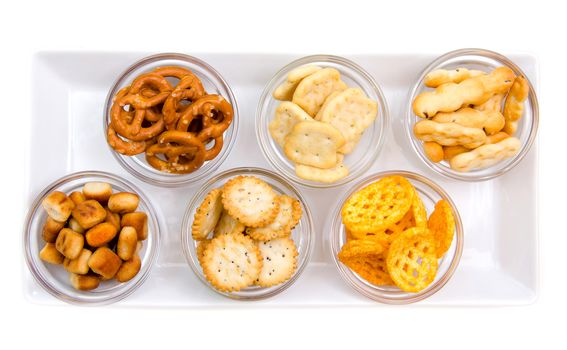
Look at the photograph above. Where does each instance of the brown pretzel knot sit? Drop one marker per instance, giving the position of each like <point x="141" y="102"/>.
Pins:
<point x="140" y="100"/>
<point x="125" y="147"/>
<point x="134" y="124"/>
<point x="214" y="151"/>
<point x="215" y="114"/>
<point x="183" y="152"/>
<point x="188" y="90"/>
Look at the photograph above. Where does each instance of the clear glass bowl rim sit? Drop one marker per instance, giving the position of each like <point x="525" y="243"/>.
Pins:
<point x="416" y="144"/>
<point x="185" y="235"/>
<point x="384" y="114"/>
<point x="184" y="179"/>
<point x="357" y="285"/>
<point x="27" y="236"/>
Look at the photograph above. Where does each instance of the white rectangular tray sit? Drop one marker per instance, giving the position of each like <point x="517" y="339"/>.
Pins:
<point x="499" y="265"/>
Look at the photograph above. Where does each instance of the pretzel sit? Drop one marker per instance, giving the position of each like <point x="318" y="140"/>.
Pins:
<point x="129" y="124"/>
<point x="216" y="116"/>
<point x="127" y="148"/>
<point x="145" y="81"/>
<point x="188" y="89"/>
<point x="184" y="152"/>
<point x="214" y="151"/>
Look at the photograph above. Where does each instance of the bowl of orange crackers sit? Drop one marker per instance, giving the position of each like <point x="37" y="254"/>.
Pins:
<point x="396" y="237"/>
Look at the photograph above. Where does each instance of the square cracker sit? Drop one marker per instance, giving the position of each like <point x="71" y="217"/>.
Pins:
<point x="351" y="112"/>
<point x="287" y="115"/>
<point x="314" y="143"/>
<point x="285" y="91"/>
<point x="312" y="91"/>
<point x="330" y="175"/>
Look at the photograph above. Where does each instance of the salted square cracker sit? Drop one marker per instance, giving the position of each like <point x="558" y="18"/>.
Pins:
<point x="285" y="91"/>
<point x="330" y="175"/>
<point x="288" y="216"/>
<point x="351" y="112"/>
<point x="231" y="262"/>
<point x="312" y="91"/>
<point x="314" y="143"/>
<point x="207" y="215"/>
<point x="287" y="115"/>
<point x="279" y="261"/>
<point x="250" y="200"/>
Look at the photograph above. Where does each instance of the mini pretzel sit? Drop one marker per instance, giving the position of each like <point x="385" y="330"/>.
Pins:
<point x="188" y="89"/>
<point x="128" y="148"/>
<point x="184" y="152"/>
<point x="212" y="152"/>
<point x="216" y="112"/>
<point x="172" y="71"/>
<point x="144" y="81"/>
<point x="129" y="124"/>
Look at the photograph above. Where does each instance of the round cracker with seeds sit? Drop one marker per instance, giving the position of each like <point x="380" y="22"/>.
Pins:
<point x="287" y="115"/>
<point x="228" y="225"/>
<point x="201" y="246"/>
<point x="231" y="262"/>
<point x="250" y="200"/>
<point x="312" y="91"/>
<point x="207" y="215"/>
<point x="351" y="112"/>
<point x="285" y="91"/>
<point x="279" y="261"/>
<point x="288" y="216"/>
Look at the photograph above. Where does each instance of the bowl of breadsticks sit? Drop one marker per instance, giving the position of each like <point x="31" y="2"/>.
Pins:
<point x="472" y="115"/>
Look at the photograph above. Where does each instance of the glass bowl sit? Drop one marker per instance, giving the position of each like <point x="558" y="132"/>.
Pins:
<point x="53" y="278"/>
<point x="370" y="144"/>
<point x="213" y="83"/>
<point x="429" y="193"/>
<point x="302" y="234"/>
<point x="483" y="60"/>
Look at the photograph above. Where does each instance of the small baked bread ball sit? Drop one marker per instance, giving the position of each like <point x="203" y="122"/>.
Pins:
<point x="127" y="243"/>
<point x="101" y="234"/>
<point x="139" y="221"/>
<point x="51" y="255"/>
<point x="69" y="243"/>
<point x="58" y="206"/>
<point x="89" y="213"/>
<point x="100" y="191"/>
<point x="51" y="229"/>
<point x="129" y="269"/>
<point x="80" y="264"/>
<point x="84" y="282"/>
<point x="123" y="202"/>
<point x="104" y="262"/>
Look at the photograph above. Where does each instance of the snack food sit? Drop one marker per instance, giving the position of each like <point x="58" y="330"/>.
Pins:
<point x="94" y="243"/>
<point x="172" y="124"/>
<point x="319" y="120"/>
<point x="465" y="115"/>
<point x="391" y="241"/>
<point x="249" y="243"/>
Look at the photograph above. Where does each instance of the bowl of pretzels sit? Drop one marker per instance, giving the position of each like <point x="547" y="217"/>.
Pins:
<point x="472" y="115"/>
<point x="170" y="119"/>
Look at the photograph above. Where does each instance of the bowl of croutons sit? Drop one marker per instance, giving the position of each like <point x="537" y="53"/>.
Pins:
<point x="472" y="115"/>
<point x="91" y="238"/>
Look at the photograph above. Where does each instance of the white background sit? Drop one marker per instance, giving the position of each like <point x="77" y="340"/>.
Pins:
<point x="305" y="27"/>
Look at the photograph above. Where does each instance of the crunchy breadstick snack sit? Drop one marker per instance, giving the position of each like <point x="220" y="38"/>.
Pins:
<point x="207" y="215"/>
<point x="351" y="112"/>
<point x="231" y="262"/>
<point x="285" y="91"/>
<point x="473" y="91"/>
<point x="450" y="151"/>
<point x="250" y="201"/>
<point x="514" y="105"/>
<point x="433" y="151"/>
<point x="493" y="104"/>
<point x="444" y="76"/>
<point x="287" y="115"/>
<point x="486" y="155"/>
<point x="471" y="118"/>
<point x="288" y="216"/>
<point x="312" y="91"/>
<point x="314" y="143"/>
<point x="447" y="134"/>
<point x="279" y="258"/>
